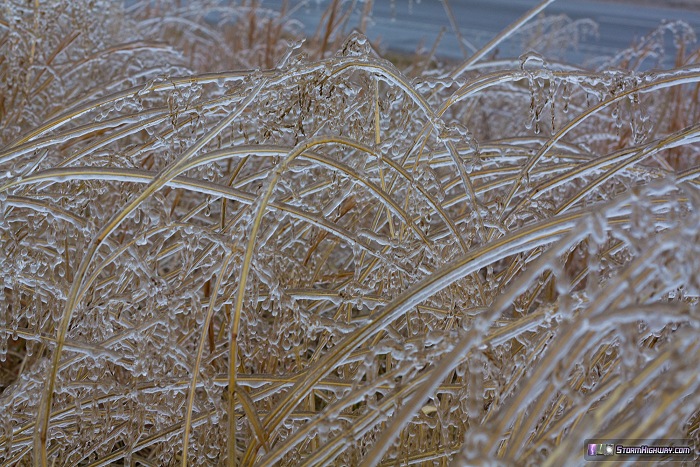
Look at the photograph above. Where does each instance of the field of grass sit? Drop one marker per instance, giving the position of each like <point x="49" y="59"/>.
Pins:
<point x="228" y="244"/>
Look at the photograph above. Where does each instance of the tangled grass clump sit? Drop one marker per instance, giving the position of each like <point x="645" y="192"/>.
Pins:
<point x="258" y="251"/>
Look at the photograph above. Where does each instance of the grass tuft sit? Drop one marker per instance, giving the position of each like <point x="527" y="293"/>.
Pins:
<point x="226" y="243"/>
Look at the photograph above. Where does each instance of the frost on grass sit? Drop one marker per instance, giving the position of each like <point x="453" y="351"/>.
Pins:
<point x="222" y="245"/>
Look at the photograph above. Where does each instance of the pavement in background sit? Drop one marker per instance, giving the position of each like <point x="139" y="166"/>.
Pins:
<point x="401" y="25"/>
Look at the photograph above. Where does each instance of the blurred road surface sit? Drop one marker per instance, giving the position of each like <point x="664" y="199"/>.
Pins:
<point x="401" y="25"/>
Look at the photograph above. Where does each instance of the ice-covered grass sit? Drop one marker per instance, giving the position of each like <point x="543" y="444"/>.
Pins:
<point x="223" y="246"/>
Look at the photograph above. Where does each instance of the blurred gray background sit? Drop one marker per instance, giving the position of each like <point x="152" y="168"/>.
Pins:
<point x="403" y="25"/>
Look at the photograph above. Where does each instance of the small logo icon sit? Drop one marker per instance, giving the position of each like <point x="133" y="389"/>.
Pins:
<point x="601" y="449"/>
<point x="592" y="449"/>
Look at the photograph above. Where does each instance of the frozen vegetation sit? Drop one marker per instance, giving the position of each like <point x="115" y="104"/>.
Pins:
<point x="224" y="245"/>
